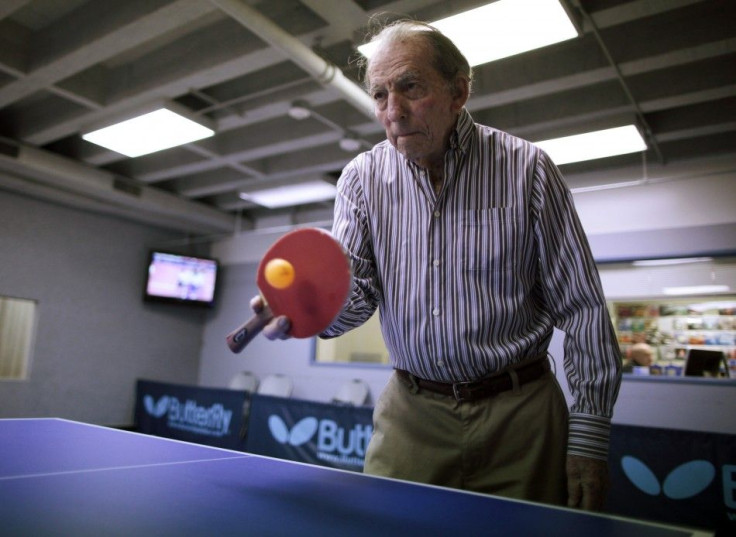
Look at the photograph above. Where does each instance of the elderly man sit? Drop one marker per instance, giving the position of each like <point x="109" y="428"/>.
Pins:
<point x="467" y="241"/>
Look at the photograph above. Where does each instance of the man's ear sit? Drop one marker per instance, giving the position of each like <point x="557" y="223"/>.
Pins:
<point x="460" y="92"/>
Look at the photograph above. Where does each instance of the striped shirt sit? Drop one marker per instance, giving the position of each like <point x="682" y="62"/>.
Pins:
<point x="473" y="279"/>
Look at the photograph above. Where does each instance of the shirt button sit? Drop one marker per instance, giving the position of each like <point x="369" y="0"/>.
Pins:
<point x="436" y="262"/>
<point x="436" y="312"/>
<point x="436" y="214"/>
<point x="441" y="363"/>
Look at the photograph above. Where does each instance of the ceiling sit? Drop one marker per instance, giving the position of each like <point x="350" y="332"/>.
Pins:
<point x="66" y="67"/>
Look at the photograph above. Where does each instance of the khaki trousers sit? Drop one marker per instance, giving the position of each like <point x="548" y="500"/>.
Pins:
<point x="513" y="444"/>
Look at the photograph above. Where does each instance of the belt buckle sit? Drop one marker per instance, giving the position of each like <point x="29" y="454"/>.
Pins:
<point x="456" y="387"/>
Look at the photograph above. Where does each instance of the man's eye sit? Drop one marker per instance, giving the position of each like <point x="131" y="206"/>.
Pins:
<point x="413" y="89"/>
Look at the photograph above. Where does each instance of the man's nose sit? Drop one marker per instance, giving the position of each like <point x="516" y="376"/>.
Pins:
<point x="396" y="107"/>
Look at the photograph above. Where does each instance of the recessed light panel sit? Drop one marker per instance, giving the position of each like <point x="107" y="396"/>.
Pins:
<point x="503" y="28"/>
<point x="289" y="195"/>
<point x="148" y="133"/>
<point x="594" y="145"/>
<point x="696" y="290"/>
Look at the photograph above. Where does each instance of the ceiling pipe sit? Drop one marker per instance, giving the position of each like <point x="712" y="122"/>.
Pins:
<point x="323" y="71"/>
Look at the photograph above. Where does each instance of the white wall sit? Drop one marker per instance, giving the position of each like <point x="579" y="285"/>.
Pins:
<point x="622" y="281"/>
<point x="665" y="214"/>
<point x="679" y="203"/>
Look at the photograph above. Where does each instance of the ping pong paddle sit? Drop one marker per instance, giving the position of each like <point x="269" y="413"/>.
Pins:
<point x="306" y="276"/>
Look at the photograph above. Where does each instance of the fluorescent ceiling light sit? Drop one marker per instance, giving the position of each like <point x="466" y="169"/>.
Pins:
<point x="715" y="305"/>
<point x="696" y="290"/>
<point x="672" y="261"/>
<point x="286" y="196"/>
<point x="502" y="28"/>
<point x="593" y="145"/>
<point x="148" y="133"/>
<point x="607" y="186"/>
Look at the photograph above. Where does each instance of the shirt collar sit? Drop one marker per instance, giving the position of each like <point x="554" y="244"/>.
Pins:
<point x="460" y="137"/>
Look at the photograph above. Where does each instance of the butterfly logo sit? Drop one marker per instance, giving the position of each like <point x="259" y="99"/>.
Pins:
<point x="156" y="409"/>
<point x="685" y="481"/>
<point x="300" y="434"/>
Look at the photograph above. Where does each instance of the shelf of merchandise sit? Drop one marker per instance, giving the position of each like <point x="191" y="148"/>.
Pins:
<point x="672" y="327"/>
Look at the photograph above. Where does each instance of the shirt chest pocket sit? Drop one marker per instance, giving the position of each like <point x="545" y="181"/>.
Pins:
<point x="490" y="239"/>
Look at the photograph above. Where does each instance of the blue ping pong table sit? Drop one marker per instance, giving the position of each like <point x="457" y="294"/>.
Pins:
<point x="65" y="478"/>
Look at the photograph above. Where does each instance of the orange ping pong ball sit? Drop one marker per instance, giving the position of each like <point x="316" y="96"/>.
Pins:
<point x="279" y="273"/>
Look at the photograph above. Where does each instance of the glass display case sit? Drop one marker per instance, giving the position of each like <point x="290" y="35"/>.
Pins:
<point x="673" y="328"/>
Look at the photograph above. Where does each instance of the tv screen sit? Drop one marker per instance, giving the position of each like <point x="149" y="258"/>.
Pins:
<point x="181" y="279"/>
<point x="703" y="363"/>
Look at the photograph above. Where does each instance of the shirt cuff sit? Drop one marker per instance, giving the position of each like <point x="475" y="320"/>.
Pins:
<point x="589" y="436"/>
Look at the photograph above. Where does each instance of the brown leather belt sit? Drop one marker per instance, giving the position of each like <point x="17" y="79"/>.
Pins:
<point x="480" y="389"/>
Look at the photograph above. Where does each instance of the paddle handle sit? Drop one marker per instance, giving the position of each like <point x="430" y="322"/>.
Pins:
<point x="241" y="336"/>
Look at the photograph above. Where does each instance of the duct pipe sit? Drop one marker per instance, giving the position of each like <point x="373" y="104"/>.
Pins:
<point x="325" y="72"/>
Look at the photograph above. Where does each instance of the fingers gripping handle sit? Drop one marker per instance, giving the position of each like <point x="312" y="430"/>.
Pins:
<point x="241" y="336"/>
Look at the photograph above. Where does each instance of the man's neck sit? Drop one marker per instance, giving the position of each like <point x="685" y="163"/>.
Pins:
<point x="437" y="178"/>
<point x="435" y="169"/>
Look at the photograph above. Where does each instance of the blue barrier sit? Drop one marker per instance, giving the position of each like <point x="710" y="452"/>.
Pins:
<point x="210" y="416"/>
<point x="671" y="476"/>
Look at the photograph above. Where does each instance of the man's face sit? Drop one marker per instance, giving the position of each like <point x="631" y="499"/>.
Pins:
<point x="416" y="106"/>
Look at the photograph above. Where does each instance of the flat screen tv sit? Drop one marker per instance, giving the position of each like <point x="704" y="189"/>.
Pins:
<point x="181" y="279"/>
<point x="703" y="363"/>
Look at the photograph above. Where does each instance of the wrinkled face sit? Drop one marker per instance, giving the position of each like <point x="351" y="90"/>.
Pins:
<point x="417" y="107"/>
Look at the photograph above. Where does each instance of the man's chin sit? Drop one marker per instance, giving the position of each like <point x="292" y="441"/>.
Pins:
<point x="410" y="151"/>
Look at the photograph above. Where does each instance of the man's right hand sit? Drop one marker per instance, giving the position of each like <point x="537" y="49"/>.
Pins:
<point x="278" y="327"/>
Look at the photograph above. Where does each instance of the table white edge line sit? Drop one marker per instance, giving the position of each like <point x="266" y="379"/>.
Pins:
<point x="117" y="468"/>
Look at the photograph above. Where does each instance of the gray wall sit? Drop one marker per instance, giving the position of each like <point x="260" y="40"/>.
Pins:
<point x="94" y="334"/>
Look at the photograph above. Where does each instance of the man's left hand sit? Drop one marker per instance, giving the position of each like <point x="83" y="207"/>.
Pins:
<point x="587" y="482"/>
